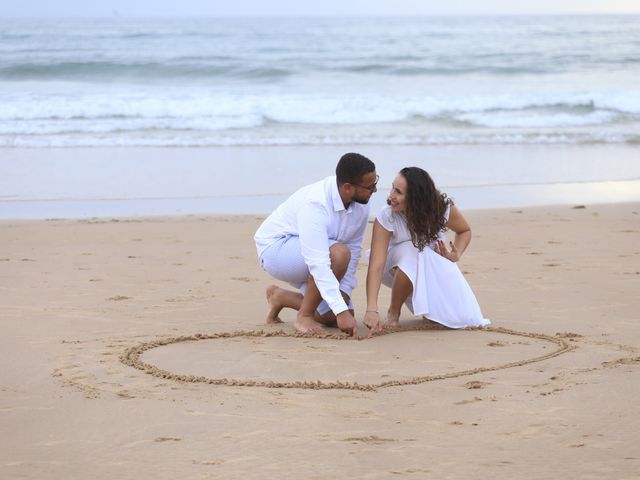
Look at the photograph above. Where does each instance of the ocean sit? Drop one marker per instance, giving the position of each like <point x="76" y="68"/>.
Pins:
<point x="322" y="81"/>
<point x="133" y="117"/>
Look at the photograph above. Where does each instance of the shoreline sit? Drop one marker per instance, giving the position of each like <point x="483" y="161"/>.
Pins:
<point x="203" y="216"/>
<point x="104" y="182"/>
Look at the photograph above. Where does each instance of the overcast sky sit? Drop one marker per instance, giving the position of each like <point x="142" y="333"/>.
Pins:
<point x="174" y="8"/>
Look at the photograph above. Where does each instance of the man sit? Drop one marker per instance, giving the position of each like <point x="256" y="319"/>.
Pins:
<point x="313" y="241"/>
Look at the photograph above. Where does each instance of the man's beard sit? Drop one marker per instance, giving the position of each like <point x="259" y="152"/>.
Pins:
<point x="362" y="201"/>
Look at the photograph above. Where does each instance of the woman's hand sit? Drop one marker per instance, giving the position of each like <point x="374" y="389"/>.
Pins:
<point x="372" y="322"/>
<point x="441" y="249"/>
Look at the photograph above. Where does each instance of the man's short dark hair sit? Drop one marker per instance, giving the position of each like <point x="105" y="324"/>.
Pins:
<point x="352" y="167"/>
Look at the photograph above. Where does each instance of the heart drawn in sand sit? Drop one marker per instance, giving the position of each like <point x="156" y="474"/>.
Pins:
<point x="131" y="357"/>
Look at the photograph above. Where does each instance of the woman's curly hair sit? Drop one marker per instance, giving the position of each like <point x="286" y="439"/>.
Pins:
<point x="425" y="207"/>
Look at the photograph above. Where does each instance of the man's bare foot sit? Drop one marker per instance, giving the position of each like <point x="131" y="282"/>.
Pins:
<point x="307" y="324"/>
<point x="393" y="321"/>
<point x="274" y="305"/>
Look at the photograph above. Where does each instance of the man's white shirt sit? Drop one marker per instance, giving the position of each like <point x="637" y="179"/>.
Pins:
<point x="316" y="214"/>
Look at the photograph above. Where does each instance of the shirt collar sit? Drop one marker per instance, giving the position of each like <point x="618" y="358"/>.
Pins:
<point x="335" y="196"/>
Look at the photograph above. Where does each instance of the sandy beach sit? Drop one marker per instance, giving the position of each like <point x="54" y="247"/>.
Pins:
<point x="553" y="397"/>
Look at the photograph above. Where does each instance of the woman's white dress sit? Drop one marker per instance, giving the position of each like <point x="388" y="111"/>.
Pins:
<point x="440" y="291"/>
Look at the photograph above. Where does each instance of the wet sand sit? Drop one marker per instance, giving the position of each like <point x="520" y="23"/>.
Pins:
<point x="41" y="183"/>
<point x="551" y="393"/>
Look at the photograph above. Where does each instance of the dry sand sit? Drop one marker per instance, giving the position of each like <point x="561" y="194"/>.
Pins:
<point x="76" y="295"/>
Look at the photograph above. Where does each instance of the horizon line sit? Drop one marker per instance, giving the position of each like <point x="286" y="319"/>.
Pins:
<point x="118" y="15"/>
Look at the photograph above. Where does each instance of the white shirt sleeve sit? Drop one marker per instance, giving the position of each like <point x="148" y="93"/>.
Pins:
<point x="384" y="217"/>
<point x="447" y="212"/>
<point x="313" y="223"/>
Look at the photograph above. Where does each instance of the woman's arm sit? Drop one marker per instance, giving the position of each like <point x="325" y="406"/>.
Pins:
<point x="377" y="259"/>
<point x="459" y="225"/>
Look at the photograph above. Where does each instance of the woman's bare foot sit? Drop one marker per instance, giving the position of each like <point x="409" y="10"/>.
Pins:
<point x="393" y="320"/>
<point x="275" y="305"/>
<point x="434" y="325"/>
<point x="306" y="324"/>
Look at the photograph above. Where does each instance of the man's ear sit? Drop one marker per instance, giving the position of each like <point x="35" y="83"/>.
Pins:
<point x="347" y="188"/>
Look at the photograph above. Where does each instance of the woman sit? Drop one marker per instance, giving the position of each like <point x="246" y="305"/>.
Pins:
<point x="408" y="254"/>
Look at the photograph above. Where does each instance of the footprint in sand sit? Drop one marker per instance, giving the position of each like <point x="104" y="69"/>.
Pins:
<point x="371" y="440"/>
<point x="208" y="462"/>
<point x="119" y="298"/>
<point x="476" y="384"/>
<point x="466" y="402"/>
<point x="167" y="439"/>
<point x="186" y="298"/>
<point x="410" y="471"/>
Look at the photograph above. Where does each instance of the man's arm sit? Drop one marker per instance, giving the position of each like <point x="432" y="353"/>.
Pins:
<point x="313" y="223"/>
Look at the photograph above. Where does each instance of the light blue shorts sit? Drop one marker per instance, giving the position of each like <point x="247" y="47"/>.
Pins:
<point x="283" y="261"/>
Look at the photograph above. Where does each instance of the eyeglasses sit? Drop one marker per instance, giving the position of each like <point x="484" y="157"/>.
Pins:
<point x="372" y="188"/>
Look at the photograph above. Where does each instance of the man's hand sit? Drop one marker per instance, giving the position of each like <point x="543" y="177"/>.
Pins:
<point x="347" y="323"/>
<point x="372" y="322"/>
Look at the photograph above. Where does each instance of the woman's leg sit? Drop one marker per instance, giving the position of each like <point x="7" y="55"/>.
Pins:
<point x="401" y="288"/>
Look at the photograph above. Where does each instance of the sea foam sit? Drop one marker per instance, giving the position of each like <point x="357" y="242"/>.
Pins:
<point x="319" y="81"/>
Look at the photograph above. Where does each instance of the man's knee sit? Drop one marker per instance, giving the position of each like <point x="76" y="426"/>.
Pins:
<point x="340" y="256"/>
